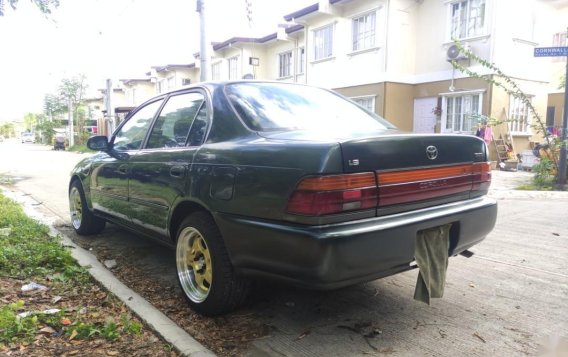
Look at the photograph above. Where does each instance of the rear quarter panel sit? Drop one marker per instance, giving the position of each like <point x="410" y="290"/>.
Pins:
<point x="255" y="177"/>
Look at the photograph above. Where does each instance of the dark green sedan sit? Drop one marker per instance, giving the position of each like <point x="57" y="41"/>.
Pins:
<point x="251" y="180"/>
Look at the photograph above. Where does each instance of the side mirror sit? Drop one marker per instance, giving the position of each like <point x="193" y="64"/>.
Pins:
<point x="98" y="143"/>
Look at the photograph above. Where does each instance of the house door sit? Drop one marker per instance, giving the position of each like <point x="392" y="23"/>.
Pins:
<point x="424" y="119"/>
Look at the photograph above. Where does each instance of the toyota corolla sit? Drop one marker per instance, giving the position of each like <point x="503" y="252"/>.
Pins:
<point x="249" y="180"/>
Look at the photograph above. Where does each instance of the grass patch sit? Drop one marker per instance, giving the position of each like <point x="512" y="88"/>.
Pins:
<point x="533" y="187"/>
<point x="79" y="148"/>
<point x="71" y="306"/>
<point x="26" y="249"/>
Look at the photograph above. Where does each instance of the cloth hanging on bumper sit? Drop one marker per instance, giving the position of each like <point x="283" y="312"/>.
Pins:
<point x="431" y="254"/>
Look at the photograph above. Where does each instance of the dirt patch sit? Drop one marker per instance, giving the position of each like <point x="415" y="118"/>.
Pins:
<point x="228" y="335"/>
<point x="70" y="306"/>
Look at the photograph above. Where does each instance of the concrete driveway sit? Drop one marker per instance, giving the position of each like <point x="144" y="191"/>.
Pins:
<point x="509" y="299"/>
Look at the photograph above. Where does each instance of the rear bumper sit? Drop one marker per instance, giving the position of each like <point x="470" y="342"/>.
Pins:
<point x="335" y="255"/>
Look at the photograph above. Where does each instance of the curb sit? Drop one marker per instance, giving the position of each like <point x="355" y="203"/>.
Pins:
<point x="154" y="318"/>
<point x="520" y="194"/>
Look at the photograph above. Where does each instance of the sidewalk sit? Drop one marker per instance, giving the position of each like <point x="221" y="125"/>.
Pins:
<point x="504" y="185"/>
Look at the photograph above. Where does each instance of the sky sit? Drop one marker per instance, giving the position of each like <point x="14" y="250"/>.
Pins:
<point x="112" y="39"/>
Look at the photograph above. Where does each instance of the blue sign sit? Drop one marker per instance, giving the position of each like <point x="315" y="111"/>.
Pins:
<point x="550" y="51"/>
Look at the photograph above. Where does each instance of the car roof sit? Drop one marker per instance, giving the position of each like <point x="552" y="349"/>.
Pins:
<point x="212" y="85"/>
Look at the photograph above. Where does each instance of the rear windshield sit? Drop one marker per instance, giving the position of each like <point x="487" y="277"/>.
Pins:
<point x="284" y="107"/>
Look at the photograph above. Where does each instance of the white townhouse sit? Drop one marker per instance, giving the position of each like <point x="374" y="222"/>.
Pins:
<point x="137" y="90"/>
<point x="392" y="57"/>
<point x="172" y="76"/>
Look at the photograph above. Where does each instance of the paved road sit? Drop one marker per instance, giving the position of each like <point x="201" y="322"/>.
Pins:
<point x="509" y="299"/>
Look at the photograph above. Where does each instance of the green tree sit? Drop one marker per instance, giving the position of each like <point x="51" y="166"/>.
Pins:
<point x="30" y="121"/>
<point x="7" y="130"/>
<point x="562" y="84"/>
<point x="47" y="129"/>
<point x="45" y="6"/>
<point x="73" y="90"/>
<point x="53" y="105"/>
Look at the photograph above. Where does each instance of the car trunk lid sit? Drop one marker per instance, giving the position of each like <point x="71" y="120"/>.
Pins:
<point x="414" y="168"/>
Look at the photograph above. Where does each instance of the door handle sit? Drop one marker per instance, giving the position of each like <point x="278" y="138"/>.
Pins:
<point x="123" y="169"/>
<point x="177" y="171"/>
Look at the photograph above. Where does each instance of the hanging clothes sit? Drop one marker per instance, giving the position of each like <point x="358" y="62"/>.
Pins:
<point x="480" y="133"/>
<point x="488" y="135"/>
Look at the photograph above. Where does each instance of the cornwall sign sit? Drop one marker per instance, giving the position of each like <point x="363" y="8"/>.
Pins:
<point x="550" y="51"/>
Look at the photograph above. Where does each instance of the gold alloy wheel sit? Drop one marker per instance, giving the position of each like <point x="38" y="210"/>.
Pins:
<point x="193" y="262"/>
<point x="76" y="207"/>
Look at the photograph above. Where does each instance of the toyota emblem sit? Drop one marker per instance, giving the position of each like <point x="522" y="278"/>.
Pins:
<point x="432" y="152"/>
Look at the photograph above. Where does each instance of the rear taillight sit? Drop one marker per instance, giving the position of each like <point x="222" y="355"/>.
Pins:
<point x="481" y="173"/>
<point x="322" y="195"/>
<point x="409" y="186"/>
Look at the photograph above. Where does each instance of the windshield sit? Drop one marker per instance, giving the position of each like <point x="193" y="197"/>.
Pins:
<point x="284" y="107"/>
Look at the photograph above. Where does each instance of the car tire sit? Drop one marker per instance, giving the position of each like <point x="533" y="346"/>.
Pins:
<point x="84" y="222"/>
<point x="205" y="273"/>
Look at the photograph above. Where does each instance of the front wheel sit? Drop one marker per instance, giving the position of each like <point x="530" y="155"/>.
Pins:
<point x="82" y="219"/>
<point x="205" y="272"/>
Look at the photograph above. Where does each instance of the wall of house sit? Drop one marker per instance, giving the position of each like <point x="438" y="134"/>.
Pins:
<point x="398" y="105"/>
<point x="557" y="24"/>
<point x="433" y="38"/>
<point x="139" y="92"/>
<point x="261" y="71"/>
<point x="500" y="102"/>
<point x="271" y="61"/>
<point x="376" y="89"/>
<point x="338" y="71"/>
<point x="242" y="52"/>
<point x="517" y="36"/>
<point x="556" y="100"/>
<point x="400" y="31"/>
<point x="181" y="74"/>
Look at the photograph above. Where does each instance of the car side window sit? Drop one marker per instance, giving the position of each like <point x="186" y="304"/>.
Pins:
<point x="131" y="135"/>
<point x="199" y="127"/>
<point x="172" y="126"/>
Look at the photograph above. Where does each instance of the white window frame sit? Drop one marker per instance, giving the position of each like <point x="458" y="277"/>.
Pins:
<point x="366" y="39"/>
<point x="467" y="124"/>
<point x="519" y="117"/>
<point x="301" y="60"/>
<point x="216" y="71"/>
<point x="285" y="61"/>
<point x="133" y="96"/>
<point x="461" y="28"/>
<point x="366" y="101"/>
<point x="233" y="66"/>
<point x="161" y="85"/>
<point x="324" y="49"/>
<point x="171" y="82"/>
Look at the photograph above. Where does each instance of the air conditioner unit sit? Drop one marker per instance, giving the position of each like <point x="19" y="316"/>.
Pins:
<point x="454" y="53"/>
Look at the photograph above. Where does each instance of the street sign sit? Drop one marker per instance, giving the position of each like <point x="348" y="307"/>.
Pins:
<point x="550" y="51"/>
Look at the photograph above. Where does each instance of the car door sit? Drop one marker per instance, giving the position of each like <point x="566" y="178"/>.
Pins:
<point x="159" y="172"/>
<point x="109" y="183"/>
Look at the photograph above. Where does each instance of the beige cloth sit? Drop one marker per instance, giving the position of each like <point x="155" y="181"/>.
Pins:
<point x="431" y="254"/>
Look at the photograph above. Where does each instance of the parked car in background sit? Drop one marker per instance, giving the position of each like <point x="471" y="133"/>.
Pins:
<point x="28" y="138"/>
<point x="251" y="180"/>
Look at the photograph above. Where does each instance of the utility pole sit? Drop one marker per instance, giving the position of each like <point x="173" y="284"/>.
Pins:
<point x="203" y="43"/>
<point x="109" y="116"/>
<point x="563" y="143"/>
<point x="71" y="134"/>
